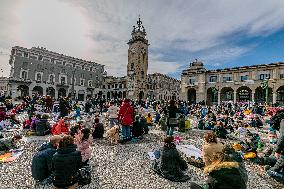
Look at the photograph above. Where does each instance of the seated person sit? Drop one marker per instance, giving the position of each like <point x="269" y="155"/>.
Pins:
<point x="27" y="123"/>
<point x="42" y="160"/>
<point x="137" y="129"/>
<point x="219" y="130"/>
<point x="98" y="129"/>
<point x="222" y="173"/>
<point x="9" y="143"/>
<point x="62" y="126"/>
<point x="171" y="165"/>
<point x="211" y="147"/>
<point x="149" y="119"/>
<point x="43" y="126"/>
<point x="66" y="163"/>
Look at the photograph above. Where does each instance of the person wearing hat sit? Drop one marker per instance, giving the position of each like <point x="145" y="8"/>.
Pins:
<point x="170" y="165"/>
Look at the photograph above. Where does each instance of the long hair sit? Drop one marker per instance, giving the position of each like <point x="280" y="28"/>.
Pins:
<point x="86" y="134"/>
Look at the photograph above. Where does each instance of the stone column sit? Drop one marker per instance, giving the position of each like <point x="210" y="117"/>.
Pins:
<point x="252" y="96"/>
<point x="274" y="97"/>
<point x="44" y="91"/>
<point x="56" y="94"/>
<point x="219" y="97"/>
<point x="235" y="96"/>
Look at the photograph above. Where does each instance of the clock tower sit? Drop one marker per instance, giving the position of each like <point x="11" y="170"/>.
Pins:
<point x="137" y="66"/>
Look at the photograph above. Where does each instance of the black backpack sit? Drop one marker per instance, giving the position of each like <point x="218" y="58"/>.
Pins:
<point x="85" y="176"/>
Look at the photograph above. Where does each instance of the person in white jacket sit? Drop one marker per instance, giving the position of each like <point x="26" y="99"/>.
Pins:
<point x="112" y="114"/>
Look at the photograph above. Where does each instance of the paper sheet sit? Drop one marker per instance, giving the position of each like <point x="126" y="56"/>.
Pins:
<point x="190" y="151"/>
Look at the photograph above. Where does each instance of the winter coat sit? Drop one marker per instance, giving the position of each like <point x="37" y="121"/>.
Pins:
<point x="171" y="165"/>
<point x="59" y="128"/>
<point x="125" y="114"/>
<point x="112" y="112"/>
<point x="66" y="164"/>
<point x="99" y="131"/>
<point x="42" y="127"/>
<point x="6" y="144"/>
<point x="137" y="129"/>
<point x="42" y="162"/>
<point x="2" y="115"/>
<point x="85" y="148"/>
<point x="280" y="142"/>
<point x="224" y="175"/>
<point x="209" y="149"/>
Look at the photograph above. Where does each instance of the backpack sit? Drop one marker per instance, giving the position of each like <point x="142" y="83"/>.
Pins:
<point x="85" y="175"/>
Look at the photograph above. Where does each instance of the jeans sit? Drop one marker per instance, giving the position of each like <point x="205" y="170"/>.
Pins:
<point x="125" y="132"/>
<point x="112" y="122"/>
<point x="170" y="130"/>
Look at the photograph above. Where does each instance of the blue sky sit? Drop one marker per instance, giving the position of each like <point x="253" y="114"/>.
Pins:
<point x="220" y="33"/>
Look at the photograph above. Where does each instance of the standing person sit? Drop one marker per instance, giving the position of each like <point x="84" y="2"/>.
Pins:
<point x="48" y="103"/>
<point x="66" y="164"/>
<point x="125" y="116"/>
<point x="172" y="112"/>
<point x="112" y="113"/>
<point x="63" y="107"/>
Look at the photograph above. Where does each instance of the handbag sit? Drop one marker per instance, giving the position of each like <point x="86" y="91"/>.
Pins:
<point x="173" y="121"/>
<point x="85" y="175"/>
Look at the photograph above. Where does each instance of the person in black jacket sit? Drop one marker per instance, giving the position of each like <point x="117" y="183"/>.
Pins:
<point x="137" y="129"/>
<point x="42" y="160"/>
<point x="42" y="127"/>
<point x="172" y="112"/>
<point x="99" y="129"/>
<point x="171" y="165"/>
<point x="66" y="164"/>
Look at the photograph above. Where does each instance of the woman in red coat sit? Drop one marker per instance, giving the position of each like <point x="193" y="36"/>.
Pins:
<point x="125" y="116"/>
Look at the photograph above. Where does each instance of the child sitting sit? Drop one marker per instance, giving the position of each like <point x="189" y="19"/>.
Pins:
<point x="98" y="129"/>
<point x="84" y="140"/>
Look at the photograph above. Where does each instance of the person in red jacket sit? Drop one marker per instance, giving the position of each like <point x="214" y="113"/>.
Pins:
<point x="62" y="126"/>
<point x="125" y="116"/>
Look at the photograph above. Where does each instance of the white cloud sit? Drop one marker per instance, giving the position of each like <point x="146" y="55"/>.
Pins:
<point x="99" y="30"/>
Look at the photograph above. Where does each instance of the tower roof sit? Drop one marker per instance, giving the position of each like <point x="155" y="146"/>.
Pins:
<point x="139" y="27"/>
<point x="138" y="33"/>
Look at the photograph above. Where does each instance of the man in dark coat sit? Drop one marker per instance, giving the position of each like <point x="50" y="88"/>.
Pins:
<point x="66" y="163"/>
<point x="171" y="165"/>
<point x="63" y="107"/>
<point x="42" y="160"/>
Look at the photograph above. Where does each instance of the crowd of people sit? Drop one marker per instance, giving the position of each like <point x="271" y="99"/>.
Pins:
<point x="234" y="133"/>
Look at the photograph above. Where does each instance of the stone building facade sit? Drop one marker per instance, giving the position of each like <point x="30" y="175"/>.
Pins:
<point x="239" y="84"/>
<point x="38" y="70"/>
<point x="114" y="87"/>
<point x="162" y="87"/>
<point x="4" y="86"/>
<point x="137" y="66"/>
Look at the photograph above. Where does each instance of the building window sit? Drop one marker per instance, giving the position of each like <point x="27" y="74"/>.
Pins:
<point x="25" y="65"/>
<point x="90" y="84"/>
<point x="191" y="81"/>
<point x="26" y="54"/>
<point x="120" y="86"/>
<point x="52" y="60"/>
<point x="116" y="86"/>
<point x="71" y="81"/>
<point x="51" y="78"/>
<point x="244" y="77"/>
<point x="24" y="75"/>
<point x="213" y="78"/>
<point x="63" y="80"/>
<point x="104" y="86"/>
<point x="282" y="76"/>
<point x="227" y="78"/>
<point x="40" y="57"/>
<point x="108" y="86"/>
<point x="264" y="76"/>
<point x="38" y="77"/>
<point x="82" y="82"/>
